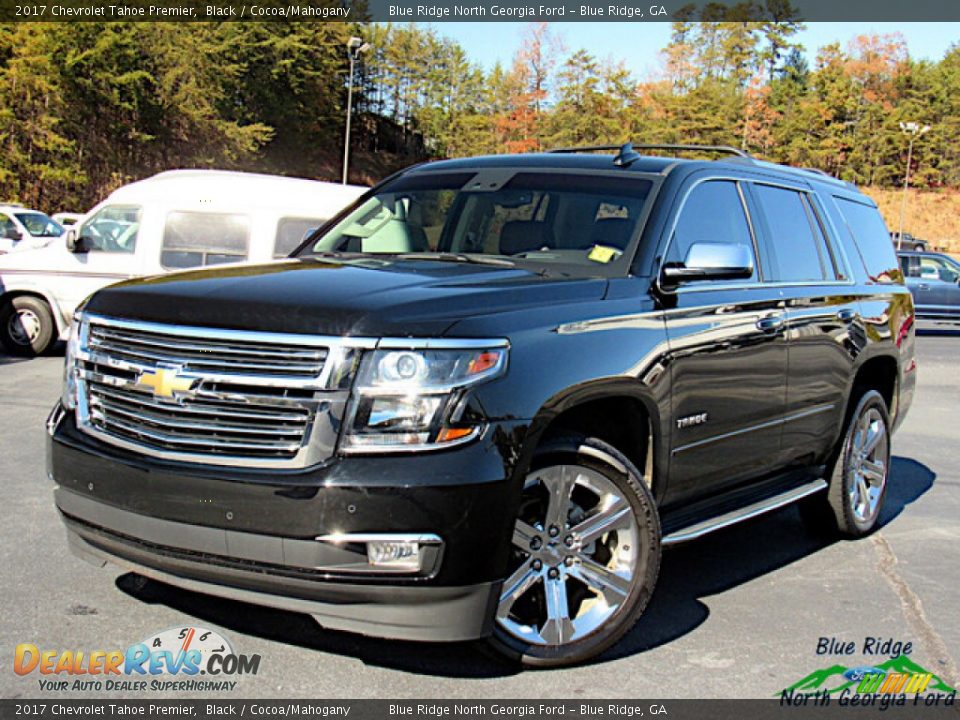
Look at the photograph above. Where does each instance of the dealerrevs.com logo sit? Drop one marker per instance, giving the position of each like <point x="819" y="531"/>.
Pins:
<point x="178" y="659"/>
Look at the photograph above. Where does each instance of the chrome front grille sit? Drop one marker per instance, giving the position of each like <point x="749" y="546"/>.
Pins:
<point x="210" y="395"/>
<point x="201" y="354"/>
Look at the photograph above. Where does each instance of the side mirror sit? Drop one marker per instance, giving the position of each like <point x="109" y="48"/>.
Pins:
<point x="711" y="261"/>
<point x="11" y="233"/>
<point x="77" y="243"/>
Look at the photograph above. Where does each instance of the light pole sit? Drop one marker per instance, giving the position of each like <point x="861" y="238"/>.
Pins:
<point x="355" y="46"/>
<point x="912" y="129"/>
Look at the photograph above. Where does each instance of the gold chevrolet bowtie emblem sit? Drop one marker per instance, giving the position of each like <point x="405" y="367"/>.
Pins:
<point x="165" y="382"/>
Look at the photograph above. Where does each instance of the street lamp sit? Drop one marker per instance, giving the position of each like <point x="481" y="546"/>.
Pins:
<point x="355" y="46"/>
<point x="912" y="129"/>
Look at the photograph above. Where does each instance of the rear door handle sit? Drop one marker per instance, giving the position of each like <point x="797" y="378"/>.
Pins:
<point x="847" y="315"/>
<point x="923" y="286"/>
<point x="771" y="323"/>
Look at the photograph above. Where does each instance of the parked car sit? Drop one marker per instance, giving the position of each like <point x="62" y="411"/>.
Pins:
<point x="68" y="219"/>
<point x="934" y="281"/>
<point x="909" y="242"/>
<point x="174" y="220"/>
<point x="22" y="228"/>
<point x="481" y="400"/>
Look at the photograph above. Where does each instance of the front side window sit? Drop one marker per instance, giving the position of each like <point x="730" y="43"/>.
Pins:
<point x="712" y="213"/>
<point x="193" y="239"/>
<point x="8" y="228"/>
<point x="40" y="225"/>
<point x="583" y="222"/>
<point x="113" y="228"/>
<point x="796" y="247"/>
<point x="936" y="269"/>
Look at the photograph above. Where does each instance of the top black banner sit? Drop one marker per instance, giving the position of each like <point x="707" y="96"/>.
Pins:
<point x="478" y="10"/>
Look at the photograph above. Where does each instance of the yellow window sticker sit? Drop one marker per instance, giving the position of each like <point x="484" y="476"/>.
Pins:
<point x="602" y="253"/>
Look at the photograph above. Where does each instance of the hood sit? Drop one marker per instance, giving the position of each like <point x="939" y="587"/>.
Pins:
<point x="367" y="297"/>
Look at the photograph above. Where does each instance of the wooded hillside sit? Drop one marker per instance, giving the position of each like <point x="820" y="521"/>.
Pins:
<point x="85" y="107"/>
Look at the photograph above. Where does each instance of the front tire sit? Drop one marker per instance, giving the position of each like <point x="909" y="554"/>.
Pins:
<point x="858" y="481"/>
<point x="27" y="327"/>
<point x="586" y="554"/>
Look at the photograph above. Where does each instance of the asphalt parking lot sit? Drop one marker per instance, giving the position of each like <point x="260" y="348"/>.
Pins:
<point x="737" y="614"/>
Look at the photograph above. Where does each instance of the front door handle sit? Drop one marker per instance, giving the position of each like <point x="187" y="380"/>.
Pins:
<point x="923" y="286"/>
<point x="847" y="315"/>
<point x="771" y="323"/>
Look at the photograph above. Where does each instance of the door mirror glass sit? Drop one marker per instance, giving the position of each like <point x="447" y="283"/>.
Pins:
<point x="11" y="233"/>
<point x="712" y="261"/>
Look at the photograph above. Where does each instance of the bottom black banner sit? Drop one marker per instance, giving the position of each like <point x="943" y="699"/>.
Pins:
<point x="793" y="706"/>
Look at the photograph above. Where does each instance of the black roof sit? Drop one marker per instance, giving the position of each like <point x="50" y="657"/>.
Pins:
<point x="644" y="164"/>
<point x="582" y="161"/>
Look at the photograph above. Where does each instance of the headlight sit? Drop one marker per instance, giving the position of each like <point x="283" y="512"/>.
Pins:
<point x="404" y="398"/>
<point x="69" y="397"/>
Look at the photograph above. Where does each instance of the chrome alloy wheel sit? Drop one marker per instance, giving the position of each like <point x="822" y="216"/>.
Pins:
<point x="867" y="465"/>
<point x="575" y="550"/>
<point x="24" y="327"/>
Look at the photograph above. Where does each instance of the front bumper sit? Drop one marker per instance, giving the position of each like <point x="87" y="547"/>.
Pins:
<point x="252" y="535"/>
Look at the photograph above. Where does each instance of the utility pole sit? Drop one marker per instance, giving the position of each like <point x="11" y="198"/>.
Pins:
<point x="355" y="46"/>
<point x="912" y="129"/>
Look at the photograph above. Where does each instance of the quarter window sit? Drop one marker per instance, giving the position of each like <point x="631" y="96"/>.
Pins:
<point x="191" y="239"/>
<point x="291" y="231"/>
<point x="796" y="250"/>
<point x="872" y="239"/>
<point x="712" y="213"/>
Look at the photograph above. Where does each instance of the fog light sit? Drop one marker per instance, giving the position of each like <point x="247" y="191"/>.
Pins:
<point x="394" y="554"/>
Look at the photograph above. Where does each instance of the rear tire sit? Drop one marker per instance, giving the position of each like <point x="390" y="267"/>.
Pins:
<point x="27" y="327"/>
<point x="586" y="554"/>
<point x="858" y="480"/>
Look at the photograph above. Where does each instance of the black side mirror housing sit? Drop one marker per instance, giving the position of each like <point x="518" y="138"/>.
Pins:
<point x="77" y="244"/>
<point x="11" y="233"/>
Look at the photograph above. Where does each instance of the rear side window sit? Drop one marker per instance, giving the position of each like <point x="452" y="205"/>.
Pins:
<point x="291" y="231"/>
<point x="796" y="249"/>
<point x="872" y="239"/>
<point x="192" y="239"/>
<point x="712" y="213"/>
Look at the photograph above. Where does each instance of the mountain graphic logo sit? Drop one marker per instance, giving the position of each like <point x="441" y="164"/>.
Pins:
<point x="837" y="678"/>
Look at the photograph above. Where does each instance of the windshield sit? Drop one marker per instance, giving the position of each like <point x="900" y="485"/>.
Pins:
<point x="582" y="222"/>
<point x="40" y="225"/>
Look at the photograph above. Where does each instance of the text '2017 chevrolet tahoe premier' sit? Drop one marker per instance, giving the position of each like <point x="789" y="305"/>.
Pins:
<point x="481" y="400"/>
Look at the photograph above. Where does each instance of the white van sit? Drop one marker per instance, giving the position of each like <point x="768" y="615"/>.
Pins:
<point x="171" y="221"/>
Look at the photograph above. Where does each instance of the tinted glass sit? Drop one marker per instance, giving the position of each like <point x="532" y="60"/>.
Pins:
<point x="191" y="239"/>
<point x="291" y="232"/>
<point x="796" y="251"/>
<point x="712" y="213"/>
<point x="872" y="239"/>
<point x="532" y="218"/>
<point x="112" y="229"/>
<point x="934" y="268"/>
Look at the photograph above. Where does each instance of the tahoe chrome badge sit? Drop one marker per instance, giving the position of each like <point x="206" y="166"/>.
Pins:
<point x="689" y="420"/>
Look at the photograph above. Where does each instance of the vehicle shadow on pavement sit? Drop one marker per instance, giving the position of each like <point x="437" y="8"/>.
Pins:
<point x="458" y="660"/>
<point x="719" y="562"/>
<point x="733" y="556"/>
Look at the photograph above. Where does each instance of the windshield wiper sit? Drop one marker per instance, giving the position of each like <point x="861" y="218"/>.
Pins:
<point x="456" y="257"/>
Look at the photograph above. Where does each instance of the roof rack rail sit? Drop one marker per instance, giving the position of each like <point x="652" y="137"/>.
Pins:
<point x="628" y="147"/>
<point x="818" y="171"/>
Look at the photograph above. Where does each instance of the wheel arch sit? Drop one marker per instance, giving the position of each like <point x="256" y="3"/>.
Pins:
<point x="615" y="411"/>
<point x="10" y="293"/>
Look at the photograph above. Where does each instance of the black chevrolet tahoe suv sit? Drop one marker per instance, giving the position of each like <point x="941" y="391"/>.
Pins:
<point x="482" y="400"/>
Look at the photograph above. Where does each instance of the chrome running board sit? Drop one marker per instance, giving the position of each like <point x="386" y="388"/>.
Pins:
<point x="691" y="532"/>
